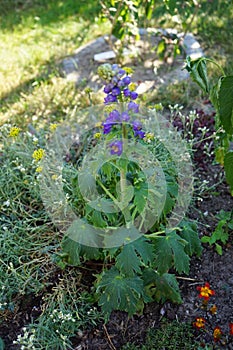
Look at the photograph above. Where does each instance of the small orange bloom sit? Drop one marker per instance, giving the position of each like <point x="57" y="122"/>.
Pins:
<point x="217" y="333"/>
<point x="213" y="309"/>
<point x="199" y="323"/>
<point x="231" y="328"/>
<point x="205" y="292"/>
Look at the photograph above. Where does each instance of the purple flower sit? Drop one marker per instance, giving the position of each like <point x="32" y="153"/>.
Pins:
<point x="116" y="91"/>
<point x="115" y="66"/>
<point x="133" y="95"/>
<point x="110" y="98"/>
<point x="116" y="147"/>
<point x="121" y="72"/>
<point x="120" y="83"/>
<point x="133" y="106"/>
<point x="114" y="116"/>
<point x="115" y="80"/>
<point x="107" y="127"/>
<point x="137" y="125"/>
<point x="125" y="116"/>
<point x="139" y="133"/>
<point x="127" y="92"/>
<point x="126" y="80"/>
<point x="108" y="88"/>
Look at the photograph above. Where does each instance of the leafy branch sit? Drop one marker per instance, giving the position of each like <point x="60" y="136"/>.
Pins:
<point x="221" y="96"/>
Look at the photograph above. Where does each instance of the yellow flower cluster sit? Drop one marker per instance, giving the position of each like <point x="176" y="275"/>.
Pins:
<point x="53" y="127"/>
<point x="39" y="169"/>
<point x="128" y="70"/>
<point x="38" y="154"/>
<point x="132" y="86"/>
<point x="97" y="135"/>
<point x="14" y="131"/>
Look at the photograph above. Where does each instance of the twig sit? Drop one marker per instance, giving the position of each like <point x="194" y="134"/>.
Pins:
<point x="109" y="339"/>
<point x="186" y="278"/>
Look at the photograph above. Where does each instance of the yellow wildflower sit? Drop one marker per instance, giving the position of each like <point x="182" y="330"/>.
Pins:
<point x="38" y="154"/>
<point x="97" y="135"/>
<point x="132" y="86"/>
<point x="128" y="70"/>
<point x="39" y="169"/>
<point x="53" y="127"/>
<point x="14" y="131"/>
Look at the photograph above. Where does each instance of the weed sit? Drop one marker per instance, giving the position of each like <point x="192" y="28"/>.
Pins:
<point x="65" y="313"/>
<point x="170" y="335"/>
<point x="221" y="232"/>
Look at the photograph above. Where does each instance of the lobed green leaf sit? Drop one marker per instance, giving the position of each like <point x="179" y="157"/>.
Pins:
<point x="190" y="234"/>
<point x="119" y="292"/>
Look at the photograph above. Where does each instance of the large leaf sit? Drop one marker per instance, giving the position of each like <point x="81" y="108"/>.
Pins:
<point x="190" y="234"/>
<point x="87" y="184"/>
<point x="76" y="250"/>
<point x="167" y="288"/>
<point x="226" y="103"/>
<point x="127" y="261"/>
<point x="140" y="196"/>
<point x="228" y="166"/>
<point x="164" y="257"/>
<point x="145" y="249"/>
<point x="198" y="72"/>
<point x="73" y="250"/>
<point x="118" y="292"/>
<point x="170" y="250"/>
<point x="161" y="287"/>
<point x="133" y="255"/>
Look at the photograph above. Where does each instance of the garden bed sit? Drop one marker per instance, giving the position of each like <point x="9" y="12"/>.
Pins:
<point x="211" y="196"/>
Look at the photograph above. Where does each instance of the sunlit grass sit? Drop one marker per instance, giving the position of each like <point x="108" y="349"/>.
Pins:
<point x="34" y="40"/>
<point x="25" y="52"/>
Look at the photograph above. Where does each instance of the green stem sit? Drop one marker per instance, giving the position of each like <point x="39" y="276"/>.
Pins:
<point x="115" y="201"/>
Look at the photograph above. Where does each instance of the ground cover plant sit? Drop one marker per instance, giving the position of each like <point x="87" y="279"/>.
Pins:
<point x="44" y="301"/>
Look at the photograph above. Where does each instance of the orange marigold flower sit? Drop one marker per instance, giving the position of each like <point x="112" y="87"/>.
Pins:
<point x="213" y="309"/>
<point x="199" y="323"/>
<point x="217" y="333"/>
<point x="205" y="292"/>
<point x="231" y="328"/>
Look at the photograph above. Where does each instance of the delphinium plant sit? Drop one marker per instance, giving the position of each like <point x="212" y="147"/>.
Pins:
<point x="126" y="186"/>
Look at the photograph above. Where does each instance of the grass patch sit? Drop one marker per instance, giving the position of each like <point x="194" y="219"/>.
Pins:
<point x="65" y="313"/>
<point x="170" y="336"/>
<point x="34" y="39"/>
